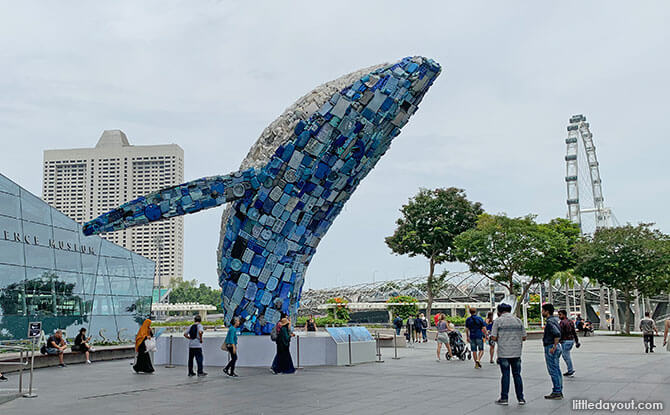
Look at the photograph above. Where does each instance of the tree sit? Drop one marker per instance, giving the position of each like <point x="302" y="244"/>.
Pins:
<point x="191" y="292"/>
<point x="502" y="248"/>
<point x="429" y="223"/>
<point x="627" y="258"/>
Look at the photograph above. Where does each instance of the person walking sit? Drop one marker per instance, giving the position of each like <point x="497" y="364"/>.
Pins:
<point x="476" y="330"/>
<point x="491" y="343"/>
<point x="81" y="344"/>
<point x="443" y="337"/>
<point x="648" y="328"/>
<point x="231" y="347"/>
<point x="142" y="358"/>
<point x="665" y="335"/>
<point x="509" y="333"/>
<point x="424" y="328"/>
<point x="397" y="323"/>
<point x="194" y="336"/>
<point x="409" y="326"/>
<point x="569" y="339"/>
<point x="552" y="350"/>
<point x="283" y="362"/>
<point x="418" y="326"/>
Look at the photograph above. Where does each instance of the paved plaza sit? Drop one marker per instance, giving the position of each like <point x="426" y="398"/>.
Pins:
<point x="609" y="368"/>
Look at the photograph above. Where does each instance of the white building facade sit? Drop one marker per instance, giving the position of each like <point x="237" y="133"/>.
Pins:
<point x="87" y="182"/>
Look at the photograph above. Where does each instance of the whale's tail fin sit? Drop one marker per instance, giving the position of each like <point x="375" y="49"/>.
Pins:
<point x="177" y="200"/>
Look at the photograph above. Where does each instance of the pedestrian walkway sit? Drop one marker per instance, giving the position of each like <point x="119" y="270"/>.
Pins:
<point x="610" y="368"/>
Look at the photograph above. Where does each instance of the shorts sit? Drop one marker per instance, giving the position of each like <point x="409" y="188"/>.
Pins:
<point x="443" y="338"/>
<point x="53" y="351"/>
<point x="491" y="342"/>
<point x="476" y="344"/>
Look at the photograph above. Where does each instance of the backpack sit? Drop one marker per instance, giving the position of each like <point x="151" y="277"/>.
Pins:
<point x="193" y="332"/>
<point x="424" y="324"/>
<point x="274" y="334"/>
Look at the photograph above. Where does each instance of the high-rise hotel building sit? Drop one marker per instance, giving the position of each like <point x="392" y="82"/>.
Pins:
<point x="84" y="183"/>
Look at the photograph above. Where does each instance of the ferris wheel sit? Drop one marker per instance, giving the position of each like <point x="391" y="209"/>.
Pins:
<point x="582" y="177"/>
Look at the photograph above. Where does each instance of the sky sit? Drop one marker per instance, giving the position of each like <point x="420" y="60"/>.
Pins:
<point x="210" y="76"/>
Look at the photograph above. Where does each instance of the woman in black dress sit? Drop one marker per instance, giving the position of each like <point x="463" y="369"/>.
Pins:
<point x="81" y="344"/>
<point x="283" y="363"/>
<point x="143" y="360"/>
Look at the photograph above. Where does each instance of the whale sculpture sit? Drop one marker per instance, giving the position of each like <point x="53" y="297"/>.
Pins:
<point x="291" y="186"/>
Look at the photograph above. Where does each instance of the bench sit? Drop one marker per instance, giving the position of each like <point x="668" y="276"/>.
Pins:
<point x="101" y="353"/>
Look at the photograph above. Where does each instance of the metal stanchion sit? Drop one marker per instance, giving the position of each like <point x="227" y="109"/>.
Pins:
<point x="21" y="370"/>
<point x="379" y="350"/>
<point x="349" y="351"/>
<point x="297" y="339"/>
<point x="30" y="393"/>
<point x="170" y="365"/>
<point x="395" y="346"/>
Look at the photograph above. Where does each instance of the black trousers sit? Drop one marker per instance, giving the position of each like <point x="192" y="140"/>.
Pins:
<point x="649" y="341"/>
<point x="197" y="353"/>
<point x="230" y="368"/>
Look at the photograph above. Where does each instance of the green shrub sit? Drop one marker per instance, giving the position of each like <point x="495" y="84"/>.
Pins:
<point x="341" y="312"/>
<point x="321" y="321"/>
<point x="405" y="310"/>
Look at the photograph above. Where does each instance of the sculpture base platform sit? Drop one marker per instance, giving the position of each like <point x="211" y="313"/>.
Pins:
<point x="316" y="349"/>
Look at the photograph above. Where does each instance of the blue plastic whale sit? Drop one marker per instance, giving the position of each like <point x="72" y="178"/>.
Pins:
<point x="283" y="208"/>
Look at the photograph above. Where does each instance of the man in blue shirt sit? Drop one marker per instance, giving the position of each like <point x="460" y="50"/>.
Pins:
<point x="552" y="351"/>
<point x="231" y="346"/>
<point x="476" y="330"/>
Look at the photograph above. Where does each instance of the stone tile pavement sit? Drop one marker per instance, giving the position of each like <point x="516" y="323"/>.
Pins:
<point x="610" y="368"/>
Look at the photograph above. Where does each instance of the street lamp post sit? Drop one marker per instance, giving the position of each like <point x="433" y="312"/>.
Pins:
<point x="158" y="243"/>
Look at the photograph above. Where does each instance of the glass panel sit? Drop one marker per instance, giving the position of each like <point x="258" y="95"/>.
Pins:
<point x="90" y="263"/>
<point x="102" y="285"/>
<point x="112" y="250"/>
<point x="62" y="221"/>
<point x="12" y="292"/>
<point x="8" y="186"/>
<point x="13" y="327"/>
<point x="118" y="267"/>
<point x="125" y="306"/>
<point x="144" y="268"/>
<point x="11" y="252"/>
<point x="103" y="327"/>
<point x="128" y="327"/>
<point x="35" y="209"/>
<point x="9" y="226"/>
<point x="9" y="205"/>
<point x="103" y="306"/>
<point x="145" y="287"/>
<point x="36" y="234"/>
<point x="68" y="261"/>
<point x="72" y="324"/>
<point x="123" y="286"/>
<point x="89" y="283"/>
<point x="69" y="283"/>
<point x="39" y="256"/>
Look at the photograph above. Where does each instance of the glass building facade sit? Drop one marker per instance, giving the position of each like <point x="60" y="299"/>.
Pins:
<point x="51" y="272"/>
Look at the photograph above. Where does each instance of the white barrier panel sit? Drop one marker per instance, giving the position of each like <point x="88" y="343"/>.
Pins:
<point x="316" y="349"/>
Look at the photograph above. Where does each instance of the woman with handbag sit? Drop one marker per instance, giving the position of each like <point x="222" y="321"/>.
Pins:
<point x="283" y="362"/>
<point x="143" y="345"/>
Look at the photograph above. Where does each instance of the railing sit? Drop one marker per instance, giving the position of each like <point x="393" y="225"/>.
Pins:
<point x="26" y="349"/>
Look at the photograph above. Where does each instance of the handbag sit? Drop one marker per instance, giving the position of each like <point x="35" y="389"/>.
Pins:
<point x="150" y="344"/>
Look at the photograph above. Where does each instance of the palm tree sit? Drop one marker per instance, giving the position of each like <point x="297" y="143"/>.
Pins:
<point x="568" y="279"/>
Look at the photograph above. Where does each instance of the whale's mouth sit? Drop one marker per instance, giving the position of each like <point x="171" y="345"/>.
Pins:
<point x="280" y="130"/>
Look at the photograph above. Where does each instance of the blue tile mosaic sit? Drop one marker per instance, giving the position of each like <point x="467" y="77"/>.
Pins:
<point x="281" y="211"/>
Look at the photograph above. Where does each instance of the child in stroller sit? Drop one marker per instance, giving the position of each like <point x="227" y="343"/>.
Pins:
<point x="458" y="346"/>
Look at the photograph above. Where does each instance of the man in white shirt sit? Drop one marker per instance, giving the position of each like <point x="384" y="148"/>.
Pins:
<point x="509" y="333"/>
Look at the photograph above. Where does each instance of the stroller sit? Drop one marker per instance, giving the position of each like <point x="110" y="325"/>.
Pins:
<point x="458" y="346"/>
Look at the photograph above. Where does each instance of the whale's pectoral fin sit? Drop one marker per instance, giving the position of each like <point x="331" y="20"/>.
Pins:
<point x="177" y="200"/>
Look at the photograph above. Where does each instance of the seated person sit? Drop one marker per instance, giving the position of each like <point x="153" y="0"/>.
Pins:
<point x="56" y="346"/>
<point x="81" y="344"/>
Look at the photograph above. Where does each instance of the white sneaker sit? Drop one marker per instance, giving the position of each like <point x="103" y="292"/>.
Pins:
<point x="88" y="362"/>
